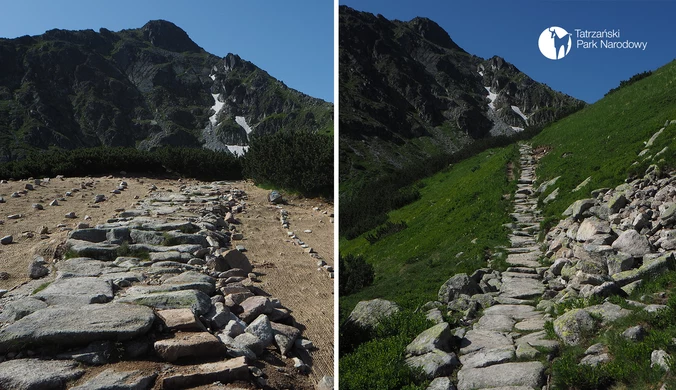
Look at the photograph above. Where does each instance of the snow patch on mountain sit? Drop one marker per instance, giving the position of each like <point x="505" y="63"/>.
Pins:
<point x="237" y="150"/>
<point x="242" y="122"/>
<point x="216" y="107"/>
<point x="491" y="96"/>
<point x="520" y="113"/>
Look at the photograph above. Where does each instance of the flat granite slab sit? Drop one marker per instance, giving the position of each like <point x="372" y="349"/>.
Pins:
<point x="72" y="326"/>
<point x="528" y="374"/>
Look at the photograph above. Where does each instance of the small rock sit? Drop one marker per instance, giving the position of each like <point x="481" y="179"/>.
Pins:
<point x="6" y="240"/>
<point x="595" y="360"/>
<point x="38" y="206"/>
<point x="28" y="187"/>
<point x="660" y="359"/>
<point x="38" y="268"/>
<point x="54" y="203"/>
<point x="71" y="215"/>
<point x="326" y="383"/>
<point x="14" y="195"/>
<point x="14" y="216"/>
<point x="635" y="333"/>
<point x="275" y="197"/>
<point x="302" y="367"/>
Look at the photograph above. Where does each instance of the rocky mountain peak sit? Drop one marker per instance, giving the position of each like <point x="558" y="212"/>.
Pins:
<point x="409" y="82"/>
<point x="168" y="36"/>
<point x="431" y="31"/>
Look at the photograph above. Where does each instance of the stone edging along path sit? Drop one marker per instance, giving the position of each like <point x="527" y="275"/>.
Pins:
<point x="157" y="282"/>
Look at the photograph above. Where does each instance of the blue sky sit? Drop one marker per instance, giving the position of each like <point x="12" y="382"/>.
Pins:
<point x="510" y="29"/>
<point x="291" y="40"/>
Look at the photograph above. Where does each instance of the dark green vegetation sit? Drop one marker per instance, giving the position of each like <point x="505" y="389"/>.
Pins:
<point x="453" y="227"/>
<point x="295" y="160"/>
<point x="354" y="274"/>
<point x="198" y="163"/>
<point x="379" y="364"/>
<point x="366" y="200"/>
<point x="602" y="141"/>
<point x="464" y="202"/>
<point x="630" y="366"/>
<point x="632" y="79"/>
<point x="408" y="93"/>
<point x="143" y="88"/>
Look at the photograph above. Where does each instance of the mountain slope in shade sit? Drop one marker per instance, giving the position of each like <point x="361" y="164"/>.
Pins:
<point x="142" y="87"/>
<point x="407" y="91"/>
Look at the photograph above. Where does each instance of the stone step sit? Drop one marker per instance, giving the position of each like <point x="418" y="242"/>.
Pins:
<point x="523" y="270"/>
<point x="523" y="250"/>
<point x="520" y="275"/>
<point x="524" y="259"/>
<point x="521" y="288"/>
<point x="189" y="344"/>
<point x="518" y="311"/>
<point x="527" y="374"/>
<point x="520" y="242"/>
<point x="513" y="301"/>
<point x="495" y="323"/>
<point x="477" y="340"/>
<point x="530" y="325"/>
<point x="192" y="376"/>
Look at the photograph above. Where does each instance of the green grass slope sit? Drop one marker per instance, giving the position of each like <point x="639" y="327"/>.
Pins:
<point x="603" y="140"/>
<point x="452" y="228"/>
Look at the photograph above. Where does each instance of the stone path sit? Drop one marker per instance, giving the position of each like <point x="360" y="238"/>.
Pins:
<point x="504" y="348"/>
<point x="159" y="281"/>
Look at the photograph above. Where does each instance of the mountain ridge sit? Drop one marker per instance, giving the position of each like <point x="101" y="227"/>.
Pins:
<point x="409" y="83"/>
<point x="143" y="88"/>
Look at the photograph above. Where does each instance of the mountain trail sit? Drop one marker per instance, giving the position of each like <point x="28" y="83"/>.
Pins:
<point x="165" y="284"/>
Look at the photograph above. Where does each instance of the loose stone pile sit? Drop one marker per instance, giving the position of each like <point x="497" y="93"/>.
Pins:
<point x="143" y="286"/>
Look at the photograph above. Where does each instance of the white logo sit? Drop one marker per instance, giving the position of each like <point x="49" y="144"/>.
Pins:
<point x="555" y="43"/>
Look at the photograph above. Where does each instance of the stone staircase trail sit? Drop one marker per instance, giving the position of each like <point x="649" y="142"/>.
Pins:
<point x="167" y="280"/>
<point x="503" y="350"/>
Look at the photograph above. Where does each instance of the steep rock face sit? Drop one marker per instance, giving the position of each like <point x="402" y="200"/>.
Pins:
<point x="408" y="83"/>
<point x="141" y="87"/>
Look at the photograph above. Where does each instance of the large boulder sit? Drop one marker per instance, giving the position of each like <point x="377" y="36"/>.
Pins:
<point x="591" y="227"/>
<point x="457" y="285"/>
<point x="573" y="325"/>
<point x="434" y="363"/>
<point x="437" y="337"/>
<point x="368" y="314"/>
<point x="633" y="243"/>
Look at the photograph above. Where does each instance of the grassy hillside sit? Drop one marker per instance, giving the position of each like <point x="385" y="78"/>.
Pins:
<point x="603" y="140"/>
<point x="452" y="228"/>
<point x="457" y="222"/>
